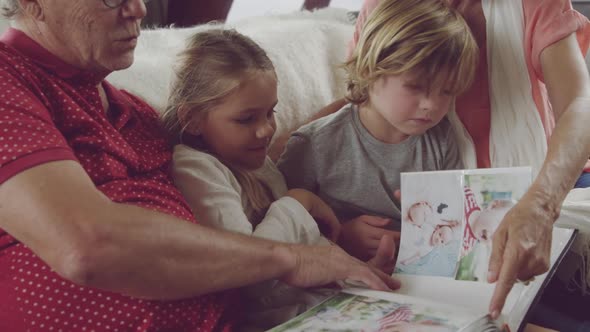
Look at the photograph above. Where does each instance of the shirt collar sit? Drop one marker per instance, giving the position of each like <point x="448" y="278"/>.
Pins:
<point x="28" y="47"/>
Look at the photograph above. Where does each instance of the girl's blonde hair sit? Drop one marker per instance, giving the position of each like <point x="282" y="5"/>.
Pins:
<point x="213" y="66"/>
<point x="426" y="38"/>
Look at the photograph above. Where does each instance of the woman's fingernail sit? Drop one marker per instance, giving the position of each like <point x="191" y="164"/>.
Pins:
<point x="492" y="276"/>
<point x="495" y="314"/>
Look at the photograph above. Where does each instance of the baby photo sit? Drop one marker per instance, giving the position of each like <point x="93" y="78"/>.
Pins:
<point x="487" y="200"/>
<point x="431" y="224"/>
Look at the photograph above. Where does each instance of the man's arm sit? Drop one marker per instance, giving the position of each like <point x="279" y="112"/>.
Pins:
<point x="56" y="210"/>
<point x="522" y="243"/>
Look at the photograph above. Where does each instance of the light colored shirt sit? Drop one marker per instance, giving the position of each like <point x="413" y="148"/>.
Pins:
<point x="217" y="199"/>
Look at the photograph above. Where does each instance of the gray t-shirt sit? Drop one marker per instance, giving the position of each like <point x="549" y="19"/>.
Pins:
<point x="353" y="172"/>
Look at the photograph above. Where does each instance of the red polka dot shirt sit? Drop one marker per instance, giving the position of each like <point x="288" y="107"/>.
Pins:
<point x="50" y="111"/>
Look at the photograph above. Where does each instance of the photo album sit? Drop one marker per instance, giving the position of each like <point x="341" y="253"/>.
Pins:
<point x="448" y="219"/>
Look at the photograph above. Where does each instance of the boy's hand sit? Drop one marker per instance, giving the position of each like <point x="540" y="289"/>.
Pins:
<point x="398" y="195"/>
<point x="384" y="260"/>
<point x="327" y="221"/>
<point x="361" y="236"/>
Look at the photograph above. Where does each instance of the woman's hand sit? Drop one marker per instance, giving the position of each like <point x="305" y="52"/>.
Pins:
<point x="362" y="235"/>
<point x="520" y="249"/>
<point x="319" y="210"/>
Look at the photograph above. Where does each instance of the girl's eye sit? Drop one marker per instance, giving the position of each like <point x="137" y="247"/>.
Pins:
<point x="245" y="120"/>
<point x="271" y="113"/>
<point x="447" y="92"/>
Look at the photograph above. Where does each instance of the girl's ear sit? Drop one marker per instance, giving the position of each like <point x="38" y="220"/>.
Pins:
<point x="188" y="122"/>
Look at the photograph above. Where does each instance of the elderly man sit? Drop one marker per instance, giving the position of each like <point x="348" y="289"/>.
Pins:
<point x="93" y="236"/>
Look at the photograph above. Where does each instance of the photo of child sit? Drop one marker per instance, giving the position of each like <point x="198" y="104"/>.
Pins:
<point x="488" y="197"/>
<point x="431" y="225"/>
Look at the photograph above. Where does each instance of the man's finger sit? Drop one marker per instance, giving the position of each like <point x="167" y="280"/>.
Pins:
<point x="371" y="280"/>
<point x="397" y="194"/>
<point x="507" y="278"/>
<point x="391" y="282"/>
<point x="498" y="248"/>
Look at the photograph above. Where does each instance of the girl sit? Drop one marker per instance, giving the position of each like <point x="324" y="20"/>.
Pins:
<point x="221" y="111"/>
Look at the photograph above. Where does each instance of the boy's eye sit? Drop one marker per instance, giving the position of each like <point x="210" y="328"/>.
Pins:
<point x="447" y="92"/>
<point x="414" y="87"/>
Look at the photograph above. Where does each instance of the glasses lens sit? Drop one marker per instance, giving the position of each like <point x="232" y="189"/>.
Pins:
<point x="113" y="3"/>
<point x="117" y="3"/>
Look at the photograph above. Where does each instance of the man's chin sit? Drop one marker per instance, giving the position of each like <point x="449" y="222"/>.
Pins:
<point x="123" y="62"/>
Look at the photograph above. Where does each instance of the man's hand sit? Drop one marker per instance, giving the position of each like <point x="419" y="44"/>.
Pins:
<point x="361" y="236"/>
<point x="321" y="265"/>
<point x="520" y="250"/>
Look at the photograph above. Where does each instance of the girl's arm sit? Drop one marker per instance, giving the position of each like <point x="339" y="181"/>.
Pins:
<point x="522" y="242"/>
<point x="214" y="195"/>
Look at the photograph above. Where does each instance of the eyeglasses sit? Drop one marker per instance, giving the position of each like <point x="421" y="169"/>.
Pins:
<point x="117" y="3"/>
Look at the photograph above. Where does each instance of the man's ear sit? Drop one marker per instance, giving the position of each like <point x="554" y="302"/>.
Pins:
<point x="32" y="9"/>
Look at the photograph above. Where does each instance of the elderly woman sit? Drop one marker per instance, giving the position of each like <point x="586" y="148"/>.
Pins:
<point x="545" y="89"/>
<point x="93" y="236"/>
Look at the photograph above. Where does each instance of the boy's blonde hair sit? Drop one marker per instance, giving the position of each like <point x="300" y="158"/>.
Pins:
<point x="214" y="65"/>
<point x="426" y="38"/>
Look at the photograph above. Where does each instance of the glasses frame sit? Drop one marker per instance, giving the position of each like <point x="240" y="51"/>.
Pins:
<point x="112" y="4"/>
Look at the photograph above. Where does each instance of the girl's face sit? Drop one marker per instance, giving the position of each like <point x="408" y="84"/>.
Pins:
<point x="405" y="105"/>
<point x="239" y="130"/>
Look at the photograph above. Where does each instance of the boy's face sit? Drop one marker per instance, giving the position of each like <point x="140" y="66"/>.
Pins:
<point x="409" y="104"/>
<point x="239" y="130"/>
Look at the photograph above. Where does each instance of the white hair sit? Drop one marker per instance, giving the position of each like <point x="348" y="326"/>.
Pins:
<point x="9" y="8"/>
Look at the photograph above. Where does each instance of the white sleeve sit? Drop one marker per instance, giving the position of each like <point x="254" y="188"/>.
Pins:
<point x="214" y="195"/>
<point x="210" y="190"/>
<point x="288" y="221"/>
